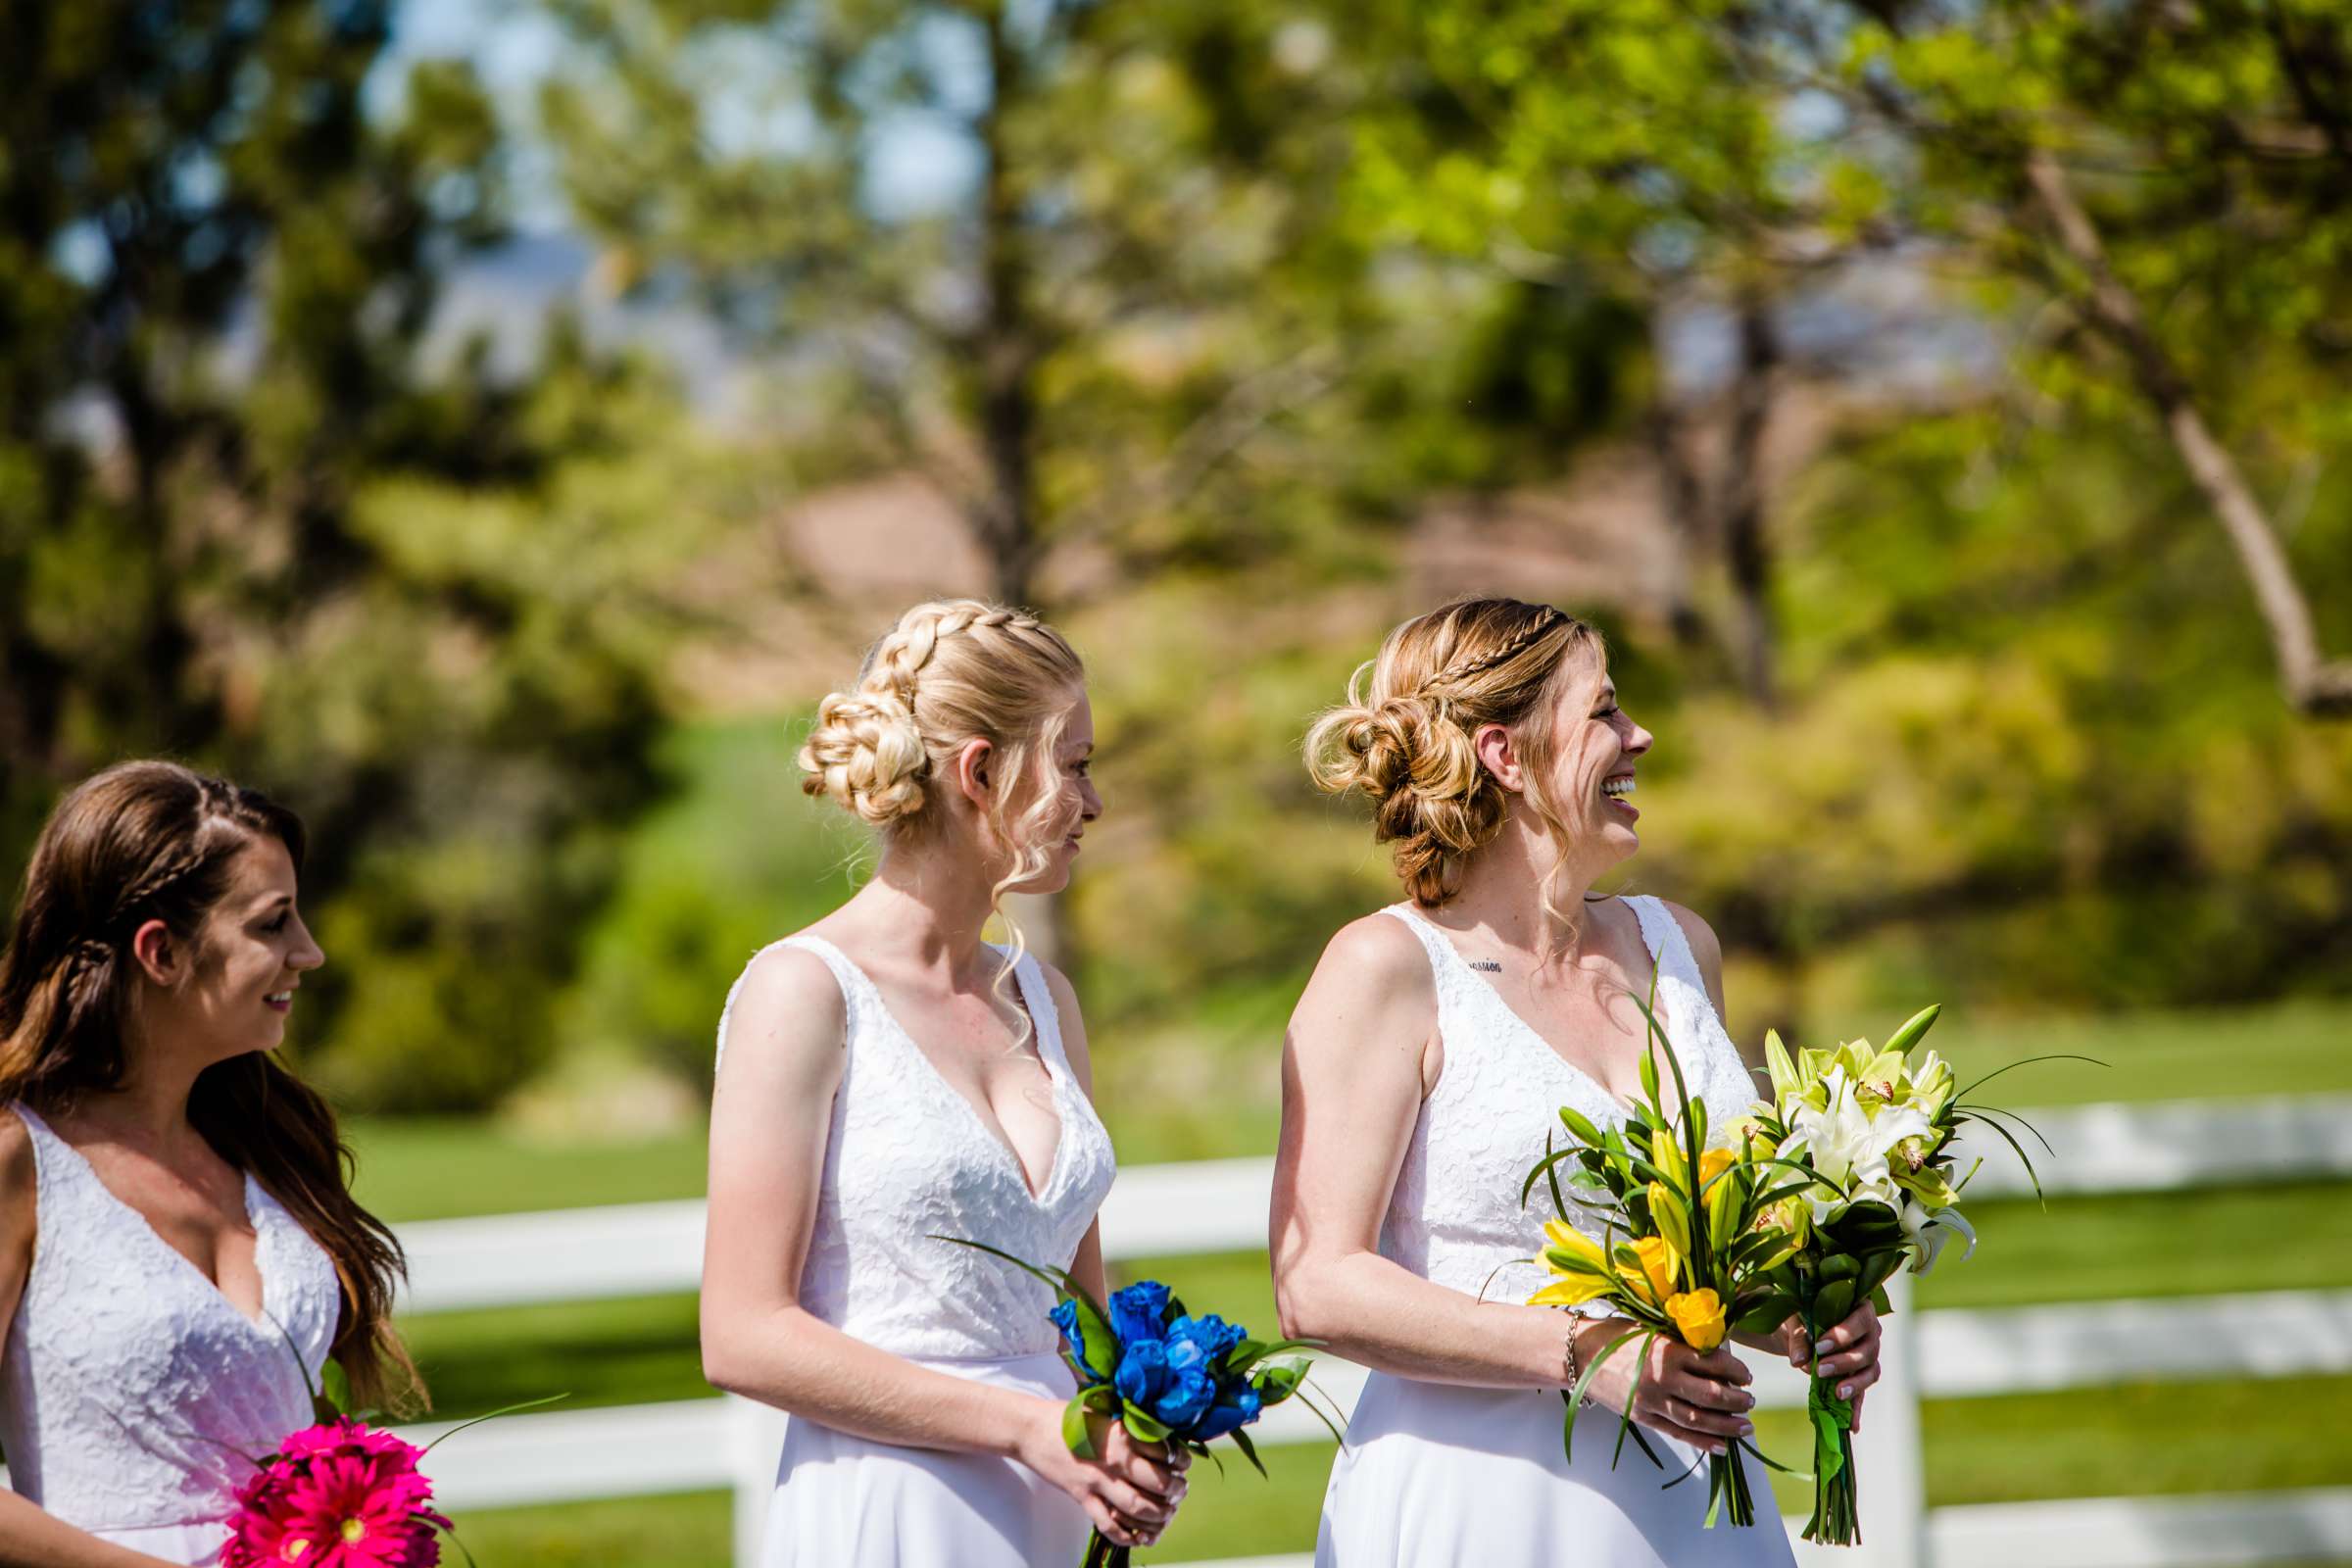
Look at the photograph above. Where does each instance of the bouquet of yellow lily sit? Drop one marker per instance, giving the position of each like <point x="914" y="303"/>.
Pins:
<point x="1871" y="1132"/>
<point x="1685" y="1250"/>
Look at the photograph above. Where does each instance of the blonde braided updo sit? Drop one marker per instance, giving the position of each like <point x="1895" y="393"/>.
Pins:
<point x="951" y="670"/>
<point x="1405" y="740"/>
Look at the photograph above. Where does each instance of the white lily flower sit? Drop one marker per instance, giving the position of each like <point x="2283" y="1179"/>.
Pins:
<point x="1849" y="1146"/>
<point x="1928" y="1230"/>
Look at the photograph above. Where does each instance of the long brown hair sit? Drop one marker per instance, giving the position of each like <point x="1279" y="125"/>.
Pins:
<point x="154" y="840"/>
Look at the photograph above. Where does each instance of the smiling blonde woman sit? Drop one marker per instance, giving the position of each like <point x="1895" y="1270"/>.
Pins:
<point x="1421" y="1074"/>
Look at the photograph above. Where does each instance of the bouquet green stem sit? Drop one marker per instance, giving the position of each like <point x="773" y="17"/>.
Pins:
<point x="1837" y="1492"/>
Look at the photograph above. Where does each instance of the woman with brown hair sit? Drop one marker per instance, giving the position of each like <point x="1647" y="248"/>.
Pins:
<point x="1420" y="1078"/>
<point x="180" y="1249"/>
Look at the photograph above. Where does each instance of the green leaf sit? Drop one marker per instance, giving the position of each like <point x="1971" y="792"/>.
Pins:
<point x="1141" y="1423"/>
<point x="1075" y="1429"/>
<point x="1241" y="1441"/>
<point x="334" y="1386"/>
<point x="504" y="1410"/>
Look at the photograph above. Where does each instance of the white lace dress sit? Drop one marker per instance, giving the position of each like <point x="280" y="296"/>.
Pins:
<point x="1437" y="1474"/>
<point x="133" y="1396"/>
<point x="907" y="1157"/>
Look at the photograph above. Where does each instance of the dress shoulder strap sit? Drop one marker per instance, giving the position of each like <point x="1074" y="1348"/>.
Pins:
<point x="1433" y="940"/>
<point x="44" y="1143"/>
<point x="846" y="975"/>
<point x="1029" y="978"/>
<point x="1663" y="935"/>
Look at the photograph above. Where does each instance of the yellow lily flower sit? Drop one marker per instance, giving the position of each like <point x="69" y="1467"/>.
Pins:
<point x="1573" y="1291"/>
<point x="1575" y="1250"/>
<point x="1699" y="1317"/>
<point x="1658" y="1266"/>
<point x="1712" y="1162"/>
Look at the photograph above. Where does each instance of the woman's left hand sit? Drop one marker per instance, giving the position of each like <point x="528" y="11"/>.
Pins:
<point x="1849" y="1352"/>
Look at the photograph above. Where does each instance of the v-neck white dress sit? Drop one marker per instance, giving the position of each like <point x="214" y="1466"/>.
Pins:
<point x="1437" y="1474"/>
<point x="907" y="1157"/>
<point x="133" y="1396"/>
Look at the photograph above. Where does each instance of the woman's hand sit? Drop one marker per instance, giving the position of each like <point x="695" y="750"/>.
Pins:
<point x="1130" y="1493"/>
<point x="1849" y="1352"/>
<point x="1700" y="1399"/>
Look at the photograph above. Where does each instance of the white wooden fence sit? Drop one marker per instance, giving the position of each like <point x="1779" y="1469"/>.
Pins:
<point x="1220" y="1205"/>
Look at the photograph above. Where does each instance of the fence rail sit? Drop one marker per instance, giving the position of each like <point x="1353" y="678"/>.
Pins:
<point x="1219" y="1205"/>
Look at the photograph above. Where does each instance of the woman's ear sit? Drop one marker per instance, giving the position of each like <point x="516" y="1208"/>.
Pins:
<point x="1492" y="745"/>
<point x="157" y="952"/>
<point x="975" y="762"/>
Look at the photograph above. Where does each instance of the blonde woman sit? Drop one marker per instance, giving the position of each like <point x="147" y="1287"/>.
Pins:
<point x="1420" y="1075"/>
<point x="884" y="1077"/>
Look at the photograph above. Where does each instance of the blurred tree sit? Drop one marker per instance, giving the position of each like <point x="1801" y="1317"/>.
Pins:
<point x="1071" y="263"/>
<point x="238" y="524"/>
<point x="2169" y="185"/>
<point x="1083" y="267"/>
<point x="1618" y="148"/>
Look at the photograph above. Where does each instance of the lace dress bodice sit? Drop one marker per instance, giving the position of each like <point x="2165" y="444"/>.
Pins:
<point x="906" y="1157"/>
<point x="135" y="1396"/>
<point x="1454" y="1215"/>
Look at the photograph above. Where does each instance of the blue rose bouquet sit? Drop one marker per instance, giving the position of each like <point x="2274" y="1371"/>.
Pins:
<point x="1166" y="1376"/>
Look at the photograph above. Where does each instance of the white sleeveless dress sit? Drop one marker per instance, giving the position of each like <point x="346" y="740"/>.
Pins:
<point x="907" y="1157"/>
<point x="133" y="1396"/>
<point x="1437" y="1474"/>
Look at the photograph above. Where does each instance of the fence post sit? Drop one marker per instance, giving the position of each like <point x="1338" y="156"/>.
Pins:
<point x="1893" y="1476"/>
<point x="753" y="1448"/>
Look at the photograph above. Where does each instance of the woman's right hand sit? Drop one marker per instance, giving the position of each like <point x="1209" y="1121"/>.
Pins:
<point x="1698" y="1399"/>
<point x="1130" y="1493"/>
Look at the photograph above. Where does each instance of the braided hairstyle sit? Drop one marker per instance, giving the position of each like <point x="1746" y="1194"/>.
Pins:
<point x="155" y="840"/>
<point x="1405" y="740"/>
<point x="952" y="670"/>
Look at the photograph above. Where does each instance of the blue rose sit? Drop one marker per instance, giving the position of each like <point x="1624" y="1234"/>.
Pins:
<point x="1236" y="1406"/>
<point x="1065" y="1318"/>
<point x="1199" y="1342"/>
<point x="1140" y="1311"/>
<point x="1143" y="1371"/>
<point x="1185" y="1398"/>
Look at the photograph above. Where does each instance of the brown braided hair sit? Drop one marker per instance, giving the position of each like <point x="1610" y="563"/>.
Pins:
<point x="155" y="840"/>
<point x="1404" y="736"/>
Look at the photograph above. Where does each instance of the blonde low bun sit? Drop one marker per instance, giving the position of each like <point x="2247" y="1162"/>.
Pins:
<point x="1405" y="735"/>
<point x="866" y="752"/>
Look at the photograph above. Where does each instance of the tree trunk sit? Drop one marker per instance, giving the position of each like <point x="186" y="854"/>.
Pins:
<point x="1744" y="550"/>
<point x="2313" y="686"/>
<point x="1005" y="518"/>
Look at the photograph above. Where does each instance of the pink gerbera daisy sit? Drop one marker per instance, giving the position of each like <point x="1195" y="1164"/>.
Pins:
<point x="339" y="1494"/>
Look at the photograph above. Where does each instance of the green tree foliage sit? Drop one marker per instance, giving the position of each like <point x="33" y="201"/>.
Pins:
<point x="1101" y="320"/>
<point x="236" y="524"/>
<point x="2023" y="694"/>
